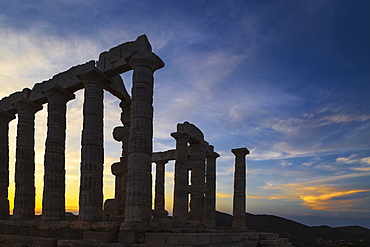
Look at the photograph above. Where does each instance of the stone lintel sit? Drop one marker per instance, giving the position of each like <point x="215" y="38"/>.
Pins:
<point x="6" y="116"/>
<point x="166" y="155"/>
<point x="240" y="151"/>
<point x="114" y="61"/>
<point x="6" y="103"/>
<point x="118" y="89"/>
<point x="38" y="89"/>
<point x="69" y="80"/>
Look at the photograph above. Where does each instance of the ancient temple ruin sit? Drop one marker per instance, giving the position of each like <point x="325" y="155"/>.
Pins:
<point x="129" y="219"/>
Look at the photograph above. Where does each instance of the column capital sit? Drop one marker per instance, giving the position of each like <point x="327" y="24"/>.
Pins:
<point x="146" y="59"/>
<point x="240" y="151"/>
<point x="25" y="103"/>
<point x="213" y="155"/>
<point x="6" y="116"/>
<point x="95" y="77"/>
<point x="180" y="136"/>
<point x="164" y="161"/>
<point x="60" y="92"/>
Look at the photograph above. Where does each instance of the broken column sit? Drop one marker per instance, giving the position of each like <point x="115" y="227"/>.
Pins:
<point x="159" y="201"/>
<point x="91" y="183"/>
<point x="239" y="204"/>
<point x="139" y="181"/>
<point x="210" y="195"/>
<point x="5" y="118"/>
<point x="180" y="197"/>
<point x="53" y="201"/>
<point x="121" y="177"/>
<point x="24" y="200"/>
<point x="197" y="165"/>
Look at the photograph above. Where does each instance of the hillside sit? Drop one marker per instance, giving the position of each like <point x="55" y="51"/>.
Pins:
<point x="302" y="235"/>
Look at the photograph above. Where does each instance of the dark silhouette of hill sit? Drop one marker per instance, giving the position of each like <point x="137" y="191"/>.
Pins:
<point x="302" y="235"/>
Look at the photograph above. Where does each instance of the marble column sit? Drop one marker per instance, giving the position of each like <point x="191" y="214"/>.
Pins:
<point x="210" y="203"/>
<point x="197" y="162"/>
<point x="180" y="197"/>
<point x="53" y="201"/>
<point x="159" y="201"/>
<point x="24" y="200"/>
<point x="139" y="178"/>
<point x="91" y="183"/>
<point x="239" y="204"/>
<point x="5" y="118"/>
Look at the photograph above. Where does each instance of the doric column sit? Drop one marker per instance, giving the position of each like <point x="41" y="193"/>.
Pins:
<point x="210" y="203"/>
<point x="5" y="118"/>
<point x="53" y="200"/>
<point x="139" y="179"/>
<point x="197" y="163"/>
<point x="180" y="197"/>
<point x="24" y="200"/>
<point x="91" y="183"/>
<point x="239" y="205"/>
<point x="159" y="211"/>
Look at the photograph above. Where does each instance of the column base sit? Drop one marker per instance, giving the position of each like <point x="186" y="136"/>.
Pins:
<point x="159" y="213"/>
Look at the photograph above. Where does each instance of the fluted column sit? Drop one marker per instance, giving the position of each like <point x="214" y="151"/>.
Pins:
<point x="197" y="162"/>
<point x="159" y="211"/>
<point x="53" y="201"/>
<point x="239" y="205"/>
<point x="210" y="203"/>
<point x="5" y="118"/>
<point x="180" y="197"/>
<point x="24" y="200"/>
<point x="139" y="179"/>
<point x="91" y="183"/>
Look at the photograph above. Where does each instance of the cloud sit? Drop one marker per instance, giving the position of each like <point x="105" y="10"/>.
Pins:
<point x="285" y="163"/>
<point x="328" y="202"/>
<point x="31" y="56"/>
<point x="321" y="194"/>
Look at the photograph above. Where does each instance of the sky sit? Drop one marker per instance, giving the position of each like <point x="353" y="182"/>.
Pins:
<point x="289" y="80"/>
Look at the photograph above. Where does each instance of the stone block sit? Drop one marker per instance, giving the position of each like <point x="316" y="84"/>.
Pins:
<point x="127" y="237"/>
<point x="263" y="235"/>
<point x="269" y="243"/>
<point x="106" y="237"/>
<point x="36" y="93"/>
<point x="76" y="243"/>
<point x="80" y="225"/>
<point x="69" y="80"/>
<point x="104" y="227"/>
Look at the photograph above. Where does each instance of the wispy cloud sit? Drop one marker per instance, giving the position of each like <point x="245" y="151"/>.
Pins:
<point x="321" y="194"/>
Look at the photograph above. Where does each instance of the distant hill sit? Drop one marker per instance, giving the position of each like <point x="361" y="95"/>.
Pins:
<point x="302" y="235"/>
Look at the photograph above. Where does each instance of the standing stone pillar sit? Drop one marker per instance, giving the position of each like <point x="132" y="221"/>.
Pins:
<point x="24" y="200"/>
<point x="210" y="203"/>
<point x="91" y="183"/>
<point x="239" y="205"/>
<point x="180" y="197"/>
<point x="5" y="118"/>
<point x="125" y="119"/>
<point x="139" y="178"/>
<point x="197" y="163"/>
<point x="159" y="211"/>
<point x="53" y="200"/>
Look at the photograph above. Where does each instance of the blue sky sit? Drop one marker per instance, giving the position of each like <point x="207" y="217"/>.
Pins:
<point x="289" y="80"/>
